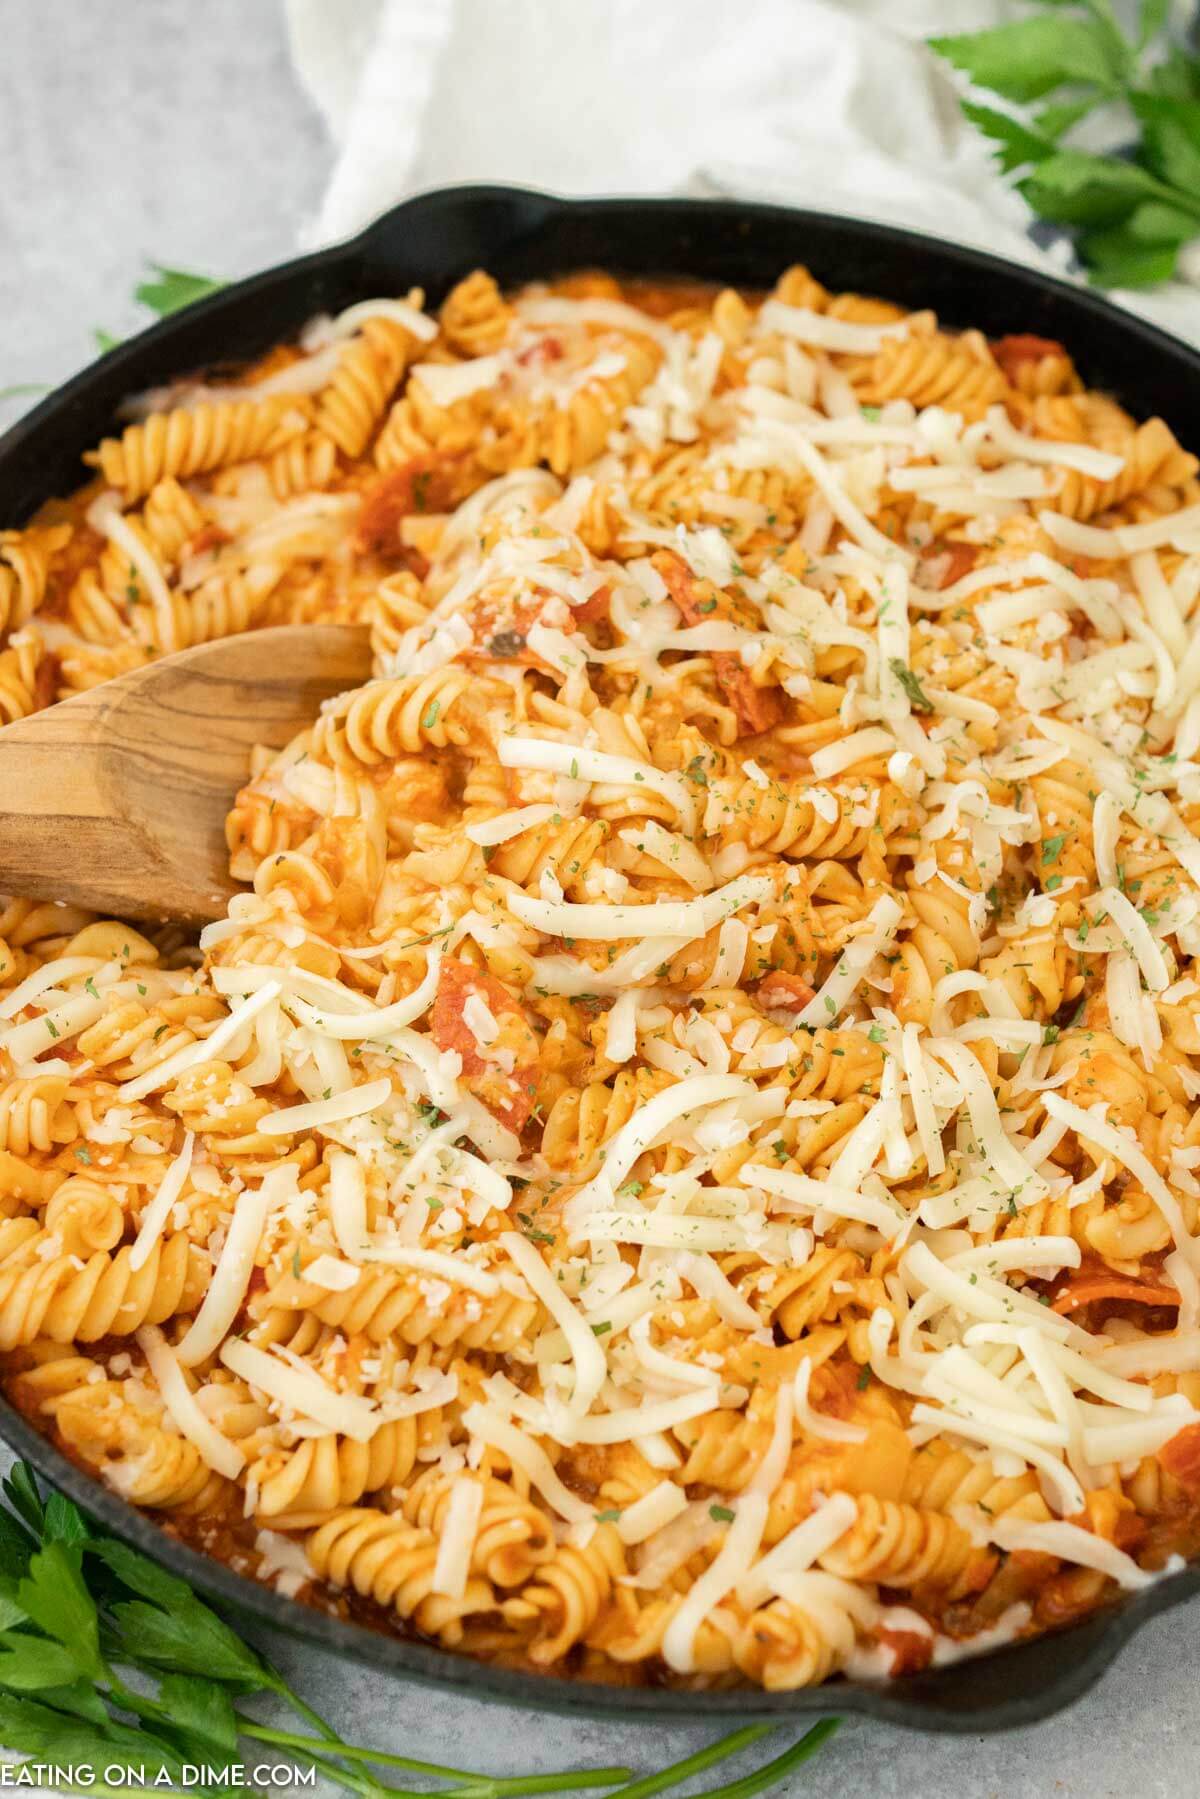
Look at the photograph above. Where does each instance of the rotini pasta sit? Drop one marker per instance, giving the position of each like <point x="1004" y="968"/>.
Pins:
<point x="681" y="1161"/>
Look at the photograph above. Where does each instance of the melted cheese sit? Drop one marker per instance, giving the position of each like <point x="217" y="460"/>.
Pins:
<point x="379" y="1021"/>
<point x="489" y="1426"/>
<point x="651" y="1512"/>
<point x="231" y="1277"/>
<point x="456" y="1541"/>
<point x="218" y="1452"/>
<point x="804" y="1544"/>
<point x="1130" y="1155"/>
<point x="159" y="1210"/>
<point x="353" y="1103"/>
<point x="504" y="826"/>
<point x="1071" y="1544"/>
<point x="851" y="967"/>
<point x="301" y="1390"/>
<point x="591" y="1368"/>
<point x="695" y="1094"/>
<point x="208" y="1047"/>
<point x="731" y="1565"/>
<point x="582" y="764"/>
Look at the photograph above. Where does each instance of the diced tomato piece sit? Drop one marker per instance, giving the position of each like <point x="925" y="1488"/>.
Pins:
<point x="758" y="708"/>
<point x="207" y="538"/>
<point x="782" y="992"/>
<point x="949" y="562"/>
<point x="912" y="1650"/>
<point x="1011" y="352"/>
<point x="595" y="608"/>
<point x="1181" y="1457"/>
<point x="1130" y="1531"/>
<point x="502" y="1074"/>
<point x="502" y="637"/>
<point x="426" y="484"/>
<point x="537" y="355"/>
<point x="1067" y="1597"/>
<point x="45" y="681"/>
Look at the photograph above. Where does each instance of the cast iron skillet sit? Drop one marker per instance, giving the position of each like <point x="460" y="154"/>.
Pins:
<point x="518" y="235"/>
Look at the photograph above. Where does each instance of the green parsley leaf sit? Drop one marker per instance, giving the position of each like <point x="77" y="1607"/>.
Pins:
<point x="1074" y="188"/>
<point x="1055" y="120"/>
<point x="1017" y="146"/>
<point x="173" y="289"/>
<point x="1178" y="74"/>
<point x="1052" y="849"/>
<point x="64" y="1522"/>
<point x="917" y="697"/>
<point x="1130" y="210"/>
<point x="54" y="1595"/>
<point x="720" y="1514"/>
<point x="1170" y="139"/>
<point x="864" y="1379"/>
<point x="139" y="1573"/>
<point x="30" y="1664"/>
<point x="189" y="1640"/>
<point x="20" y="1490"/>
<point x="598" y="1330"/>
<point x="609" y="1517"/>
<point x="202" y="1708"/>
<point x="1032" y="57"/>
<point x="1152" y="16"/>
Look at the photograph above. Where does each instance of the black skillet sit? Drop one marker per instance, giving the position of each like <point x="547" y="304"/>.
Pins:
<point x="518" y="235"/>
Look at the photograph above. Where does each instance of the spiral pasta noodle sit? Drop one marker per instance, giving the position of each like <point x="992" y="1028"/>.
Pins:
<point x="680" y="1162"/>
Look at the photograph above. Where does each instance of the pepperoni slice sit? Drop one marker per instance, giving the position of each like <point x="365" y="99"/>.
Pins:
<point x="1094" y="1280"/>
<point x="1181" y="1457"/>
<point x="501" y="1073"/>
<point x="426" y="484"/>
<point x="758" y="708"/>
<point x="912" y="1650"/>
<point x="947" y="563"/>
<point x="595" y="608"/>
<point x="782" y="992"/>
<point x="1011" y="352"/>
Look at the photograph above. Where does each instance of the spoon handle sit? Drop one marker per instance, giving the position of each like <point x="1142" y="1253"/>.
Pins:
<point x="116" y="799"/>
<point x="68" y="829"/>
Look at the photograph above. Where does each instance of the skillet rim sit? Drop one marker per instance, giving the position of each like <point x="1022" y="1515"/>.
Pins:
<point x="1000" y="1690"/>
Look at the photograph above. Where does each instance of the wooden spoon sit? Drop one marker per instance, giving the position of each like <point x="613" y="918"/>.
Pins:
<point x="116" y="799"/>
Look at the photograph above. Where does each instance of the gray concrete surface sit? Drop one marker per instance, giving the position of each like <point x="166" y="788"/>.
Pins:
<point x="172" y="130"/>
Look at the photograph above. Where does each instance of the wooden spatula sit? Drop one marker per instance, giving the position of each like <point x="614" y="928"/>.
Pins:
<point x="116" y="799"/>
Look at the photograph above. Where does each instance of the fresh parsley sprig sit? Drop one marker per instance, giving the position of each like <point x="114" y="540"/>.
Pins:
<point x="166" y="291"/>
<point x="79" y="1612"/>
<point x="1130" y="213"/>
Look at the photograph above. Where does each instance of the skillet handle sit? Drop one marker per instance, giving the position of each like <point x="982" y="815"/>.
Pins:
<point x="436" y="238"/>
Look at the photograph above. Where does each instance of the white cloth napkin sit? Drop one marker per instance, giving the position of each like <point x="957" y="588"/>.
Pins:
<point x="835" y="104"/>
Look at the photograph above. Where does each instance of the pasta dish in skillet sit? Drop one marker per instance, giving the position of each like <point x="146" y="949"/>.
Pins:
<point x="682" y="1162"/>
